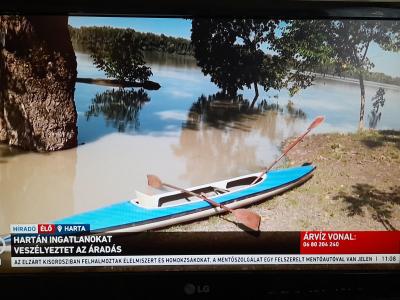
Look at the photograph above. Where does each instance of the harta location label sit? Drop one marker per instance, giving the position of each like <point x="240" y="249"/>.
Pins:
<point x="72" y="228"/>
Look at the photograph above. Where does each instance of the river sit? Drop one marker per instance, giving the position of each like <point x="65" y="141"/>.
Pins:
<point x="168" y="132"/>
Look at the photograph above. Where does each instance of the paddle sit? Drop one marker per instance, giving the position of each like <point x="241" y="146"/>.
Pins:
<point x="243" y="216"/>
<point x="315" y="123"/>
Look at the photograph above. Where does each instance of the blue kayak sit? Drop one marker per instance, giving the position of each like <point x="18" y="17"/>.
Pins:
<point x="147" y="212"/>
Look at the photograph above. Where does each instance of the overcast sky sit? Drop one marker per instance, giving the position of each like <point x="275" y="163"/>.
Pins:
<point x="385" y="62"/>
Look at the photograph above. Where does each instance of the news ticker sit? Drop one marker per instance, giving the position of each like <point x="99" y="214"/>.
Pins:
<point x="62" y="245"/>
<point x="181" y="260"/>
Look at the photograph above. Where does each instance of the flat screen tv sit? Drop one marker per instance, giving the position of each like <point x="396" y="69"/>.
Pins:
<point x="201" y="148"/>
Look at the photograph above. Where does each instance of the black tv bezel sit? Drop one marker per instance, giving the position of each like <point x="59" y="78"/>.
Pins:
<point x="317" y="282"/>
<point x="206" y="8"/>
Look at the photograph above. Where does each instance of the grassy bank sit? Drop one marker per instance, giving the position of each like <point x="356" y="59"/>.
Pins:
<point x="356" y="186"/>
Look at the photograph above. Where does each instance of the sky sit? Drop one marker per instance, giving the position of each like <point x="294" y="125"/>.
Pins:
<point x="385" y="62"/>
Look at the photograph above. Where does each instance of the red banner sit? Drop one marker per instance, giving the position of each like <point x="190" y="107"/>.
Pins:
<point x="46" y="228"/>
<point x="350" y="242"/>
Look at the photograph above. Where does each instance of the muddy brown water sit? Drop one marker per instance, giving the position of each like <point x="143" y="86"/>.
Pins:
<point x="37" y="188"/>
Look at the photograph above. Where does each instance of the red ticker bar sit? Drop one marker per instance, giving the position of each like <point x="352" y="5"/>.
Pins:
<point x="350" y="242"/>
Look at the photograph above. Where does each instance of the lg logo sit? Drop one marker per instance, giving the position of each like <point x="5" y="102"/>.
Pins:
<point x="192" y="289"/>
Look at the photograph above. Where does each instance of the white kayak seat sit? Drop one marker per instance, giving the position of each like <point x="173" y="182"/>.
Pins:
<point x="145" y="200"/>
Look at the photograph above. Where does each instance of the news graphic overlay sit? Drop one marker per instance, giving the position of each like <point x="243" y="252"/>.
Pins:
<point x="61" y="245"/>
<point x="360" y="247"/>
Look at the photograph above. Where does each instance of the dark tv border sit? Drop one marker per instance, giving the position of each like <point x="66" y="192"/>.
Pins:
<point x="207" y="8"/>
<point x="219" y="285"/>
<point x="368" y="284"/>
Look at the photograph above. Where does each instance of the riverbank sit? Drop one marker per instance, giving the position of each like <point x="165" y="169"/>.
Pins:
<point x="355" y="81"/>
<point x="355" y="187"/>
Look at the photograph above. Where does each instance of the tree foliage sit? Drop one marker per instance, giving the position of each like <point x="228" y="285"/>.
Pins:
<point x="350" y="40"/>
<point x="121" y="58"/>
<point x="229" y="50"/>
<point x="239" y="53"/>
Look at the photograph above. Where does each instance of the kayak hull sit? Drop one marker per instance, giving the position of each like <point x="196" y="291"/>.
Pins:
<point x="212" y="211"/>
<point x="129" y="216"/>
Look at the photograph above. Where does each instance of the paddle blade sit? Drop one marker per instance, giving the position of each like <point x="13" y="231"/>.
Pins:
<point x="248" y="218"/>
<point x="318" y="120"/>
<point x="154" y="181"/>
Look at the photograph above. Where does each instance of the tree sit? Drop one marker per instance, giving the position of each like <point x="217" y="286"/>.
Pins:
<point x="223" y="53"/>
<point x="37" y="82"/>
<point x="348" y="42"/>
<point x="239" y="53"/>
<point x="121" y="57"/>
<point x="351" y="40"/>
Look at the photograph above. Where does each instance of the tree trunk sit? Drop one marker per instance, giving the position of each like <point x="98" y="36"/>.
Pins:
<point x="38" y="73"/>
<point x="255" y="95"/>
<point x="362" y="100"/>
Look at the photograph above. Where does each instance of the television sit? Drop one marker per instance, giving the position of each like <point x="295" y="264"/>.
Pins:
<point x="201" y="149"/>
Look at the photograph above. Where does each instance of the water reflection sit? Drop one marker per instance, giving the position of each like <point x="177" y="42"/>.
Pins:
<point x="378" y="101"/>
<point x="180" y="86"/>
<point x="219" y="112"/>
<point x="216" y="111"/>
<point x="119" y="107"/>
<point x="168" y="60"/>
<point x="295" y="112"/>
<point x="222" y="139"/>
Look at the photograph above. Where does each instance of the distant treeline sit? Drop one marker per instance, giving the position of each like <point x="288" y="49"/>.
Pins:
<point x="87" y="37"/>
<point x="94" y="36"/>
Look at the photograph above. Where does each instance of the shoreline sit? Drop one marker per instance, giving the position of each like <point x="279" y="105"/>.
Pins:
<point x="319" y="76"/>
<point x="355" y="81"/>
<point x="148" y="85"/>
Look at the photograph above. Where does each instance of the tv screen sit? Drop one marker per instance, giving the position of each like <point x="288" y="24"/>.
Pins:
<point x="199" y="144"/>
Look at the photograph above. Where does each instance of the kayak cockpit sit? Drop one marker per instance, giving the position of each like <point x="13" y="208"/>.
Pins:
<point x="181" y="198"/>
<point x="241" y="182"/>
<point x="210" y="191"/>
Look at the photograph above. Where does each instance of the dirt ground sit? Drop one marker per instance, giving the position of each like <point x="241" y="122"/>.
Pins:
<point x="356" y="186"/>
